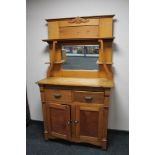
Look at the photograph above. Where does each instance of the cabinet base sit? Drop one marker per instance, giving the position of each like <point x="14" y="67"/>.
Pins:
<point x="102" y="144"/>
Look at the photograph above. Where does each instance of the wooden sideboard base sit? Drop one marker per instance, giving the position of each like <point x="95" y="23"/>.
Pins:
<point x="102" y="144"/>
<point x="76" y="114"/>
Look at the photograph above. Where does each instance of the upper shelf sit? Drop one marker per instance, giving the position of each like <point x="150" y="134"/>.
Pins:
<point x="78" y="39"/>
<point x="105" y="16"/>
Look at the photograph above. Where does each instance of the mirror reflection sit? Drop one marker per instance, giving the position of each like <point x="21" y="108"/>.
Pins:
<point x="82" y="57"/>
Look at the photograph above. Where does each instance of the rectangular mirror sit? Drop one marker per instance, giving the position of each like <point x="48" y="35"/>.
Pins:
<point x="80" y="57"/>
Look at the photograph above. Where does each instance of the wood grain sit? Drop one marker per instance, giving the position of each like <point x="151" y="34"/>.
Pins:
<point x="78" y="32"/>
<point x="58" y="126"/>
<point x="99" y="16"/>
<point x="72" y="40"/>
<point x="95" y="97"/>
<point x="89" y="127"/>
<point x="57" y="95"/>
<point x="90" y="82"/>
<point x="66" y="23"/>
<point x="105" y="27"/>
<point x="53" y="30"/>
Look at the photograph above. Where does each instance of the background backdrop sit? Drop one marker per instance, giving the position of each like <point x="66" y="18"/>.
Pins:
<point x="37" y="53"/>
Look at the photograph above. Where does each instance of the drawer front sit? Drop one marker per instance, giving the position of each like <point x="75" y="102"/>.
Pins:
<point x="58" y="95"/>
<point x="88" y="97"/>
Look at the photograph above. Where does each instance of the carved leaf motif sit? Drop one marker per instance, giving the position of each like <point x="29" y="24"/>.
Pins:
<point x="78" y="20"/>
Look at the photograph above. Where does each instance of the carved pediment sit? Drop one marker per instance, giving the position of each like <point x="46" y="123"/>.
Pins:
<point x="78" y="20"/>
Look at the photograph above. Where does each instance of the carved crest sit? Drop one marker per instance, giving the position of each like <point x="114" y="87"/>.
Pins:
<point x="78" y="20"/>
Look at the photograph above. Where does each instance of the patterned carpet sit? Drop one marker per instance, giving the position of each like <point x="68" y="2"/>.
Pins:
<point x="36" y="145"/>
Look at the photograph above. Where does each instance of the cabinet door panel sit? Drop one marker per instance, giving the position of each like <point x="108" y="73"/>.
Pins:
<point x="89" y="124"/>
<point x="59" y="120"/>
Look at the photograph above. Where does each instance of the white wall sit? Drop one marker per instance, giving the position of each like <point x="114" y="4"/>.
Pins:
<point x="37" y="52"/>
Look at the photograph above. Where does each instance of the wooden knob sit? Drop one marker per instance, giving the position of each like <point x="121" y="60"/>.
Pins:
<point x="57" y="95"/>
<point x="88" y="98"/>
<point x="75" y="122"/>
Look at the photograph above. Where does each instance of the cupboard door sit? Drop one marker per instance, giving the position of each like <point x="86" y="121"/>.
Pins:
<point x="89" y="122"/>
<point x="59" y="120"/>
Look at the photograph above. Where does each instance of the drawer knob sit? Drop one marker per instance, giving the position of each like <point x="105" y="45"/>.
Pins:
<point x="75" y="122"/>
<point x="88" y="98"/>
<point x="69" y="122"/>
<point x="57" y="95"/>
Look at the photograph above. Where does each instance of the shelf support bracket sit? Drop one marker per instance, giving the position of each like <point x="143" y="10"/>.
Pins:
<point x="52" y="57"/>
<point x="101" y="51"/>
<point x="107" y="70"/>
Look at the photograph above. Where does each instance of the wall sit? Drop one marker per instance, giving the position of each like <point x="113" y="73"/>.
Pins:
<point x="37" y="52"/>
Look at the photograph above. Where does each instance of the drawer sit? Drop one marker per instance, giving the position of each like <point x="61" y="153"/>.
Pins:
<point x="88" y="97"/>
<point x="57" y="95"/>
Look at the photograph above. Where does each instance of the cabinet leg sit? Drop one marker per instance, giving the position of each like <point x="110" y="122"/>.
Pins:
<point x="46" y="135"/>
<point x="104" y="145"/>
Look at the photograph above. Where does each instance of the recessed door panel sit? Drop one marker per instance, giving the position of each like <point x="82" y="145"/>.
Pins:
<point x="89" y="122"/>
<point x="59" y="120"/>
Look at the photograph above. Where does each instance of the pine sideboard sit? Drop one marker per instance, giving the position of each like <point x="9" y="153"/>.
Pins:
<point x="75" y="103"/>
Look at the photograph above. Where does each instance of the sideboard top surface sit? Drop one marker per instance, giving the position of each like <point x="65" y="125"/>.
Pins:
<point x="88" y="82"/>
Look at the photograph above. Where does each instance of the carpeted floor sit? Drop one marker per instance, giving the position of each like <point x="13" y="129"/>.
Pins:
<point x="36" y="145"/>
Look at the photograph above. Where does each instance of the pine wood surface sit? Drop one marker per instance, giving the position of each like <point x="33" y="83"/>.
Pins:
<point x="88" y="97"/>
<point x="57" y="95"/>
<point x="104" y="16"/>
<point x="90" y="82"/>
<point x="79" y="39"/>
